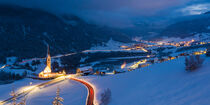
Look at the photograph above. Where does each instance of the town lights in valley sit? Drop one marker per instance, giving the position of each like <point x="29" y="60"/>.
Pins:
<point x="3" y="67"/>
<point x="136" y="65"/>
<point x="144" y="49"/>
<point x="123" y="65"/>
<point x="199" y="53"/>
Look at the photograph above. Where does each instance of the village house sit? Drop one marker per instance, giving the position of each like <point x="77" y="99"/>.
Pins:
<point x="85" y="70"/>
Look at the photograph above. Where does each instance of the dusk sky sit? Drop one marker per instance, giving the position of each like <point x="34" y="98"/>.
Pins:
<point x="118" y="12"/>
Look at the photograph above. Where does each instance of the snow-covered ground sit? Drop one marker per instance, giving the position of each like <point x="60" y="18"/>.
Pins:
<point x="196" y="37"/>
<point x="165" y="83"/>
<point x="72" y="92"/>
<point x="110" y="45"/>
<point x="17" y="85"/>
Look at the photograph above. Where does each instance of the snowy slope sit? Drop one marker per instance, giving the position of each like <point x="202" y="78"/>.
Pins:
<point x="110" y="45"/>
<point x="197" y="37"/>
<point x="7" y="88"/>
<point x="166" y="83"/>
<point x="72" y="92"/>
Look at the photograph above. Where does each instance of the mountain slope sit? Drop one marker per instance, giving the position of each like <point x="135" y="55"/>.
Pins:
<point x="188" y="27"/>
<point x="25" y="33"/>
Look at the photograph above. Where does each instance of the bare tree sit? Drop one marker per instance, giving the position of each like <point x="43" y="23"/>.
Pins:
<point x="193" y="62"/>
<point x="106" y="97"/>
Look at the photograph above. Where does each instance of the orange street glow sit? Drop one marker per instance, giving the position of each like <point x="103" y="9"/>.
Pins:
<point x="123" y="65"/>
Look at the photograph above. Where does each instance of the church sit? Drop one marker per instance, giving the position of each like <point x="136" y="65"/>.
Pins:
<point x="47" y="72"/>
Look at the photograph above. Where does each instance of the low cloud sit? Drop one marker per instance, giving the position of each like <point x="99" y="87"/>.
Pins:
<point x="196" y="9"/>
<point x="115" y="13"/>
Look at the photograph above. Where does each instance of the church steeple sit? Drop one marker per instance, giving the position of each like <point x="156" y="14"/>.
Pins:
<point x="48" y="61"/>
<point x="48" y="50"/>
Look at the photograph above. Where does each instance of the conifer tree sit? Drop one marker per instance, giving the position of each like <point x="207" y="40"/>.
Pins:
<point x="58" y="100"/>
<point x="14" y="97"/>
<point x="23" y="101"/>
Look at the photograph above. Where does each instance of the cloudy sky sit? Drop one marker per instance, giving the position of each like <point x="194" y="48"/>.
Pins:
<point x="117" y="12"/>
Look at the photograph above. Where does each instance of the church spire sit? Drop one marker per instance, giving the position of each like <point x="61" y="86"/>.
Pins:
<point x="48" y="58"/>
<point x="48" y="50"/>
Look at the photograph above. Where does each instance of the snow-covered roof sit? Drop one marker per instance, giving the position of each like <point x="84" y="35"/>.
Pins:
<point x="85" y="68"/>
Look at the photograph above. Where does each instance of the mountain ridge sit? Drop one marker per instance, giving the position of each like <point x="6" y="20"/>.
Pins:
<point x="24" y="33"/>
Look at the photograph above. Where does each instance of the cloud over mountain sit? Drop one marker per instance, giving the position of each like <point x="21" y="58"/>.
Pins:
<point x="116" y="13"/>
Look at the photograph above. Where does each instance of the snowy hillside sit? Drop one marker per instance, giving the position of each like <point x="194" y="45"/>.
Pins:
<point x="110" y="45"/>
<point x="166" y="83"/>
<point x="7" y="88"/>
<point x="72" y="92"/>
<point x="196" y="37"/>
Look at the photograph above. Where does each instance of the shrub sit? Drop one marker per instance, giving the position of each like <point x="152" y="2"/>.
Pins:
<point x="106" y="97"/>
<point x="193" y="62"/>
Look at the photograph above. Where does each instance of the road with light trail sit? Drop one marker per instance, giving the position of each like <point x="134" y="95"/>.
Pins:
<point x="90" y="97"/>
<point x="89" y="100"/>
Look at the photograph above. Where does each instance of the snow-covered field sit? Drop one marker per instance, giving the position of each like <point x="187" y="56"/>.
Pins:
<point x="72" y="92"/>
<point x="17" y="85"/>
<point x="165" y="83"/>
<point x="110" y="45"/>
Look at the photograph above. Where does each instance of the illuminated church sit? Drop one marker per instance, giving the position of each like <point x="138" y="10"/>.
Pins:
<point x="47" y="71"/>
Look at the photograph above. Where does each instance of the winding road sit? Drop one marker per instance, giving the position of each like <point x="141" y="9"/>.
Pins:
<point x="90" y="97"/>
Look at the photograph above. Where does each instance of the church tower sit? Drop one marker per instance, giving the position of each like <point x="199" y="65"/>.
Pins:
<point x="48" y="61"/>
